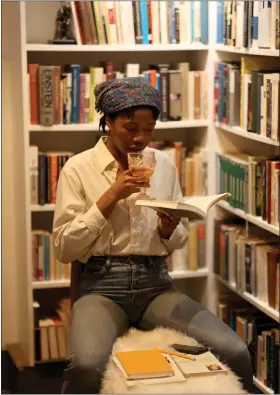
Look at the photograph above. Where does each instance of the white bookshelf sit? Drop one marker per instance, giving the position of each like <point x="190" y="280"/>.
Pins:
<point x="259" y="304"/>
<point x="89" y="127"/>
<point x="246" y="51"/>
<point x="258" y="221"/>
<point x="262" y="387"/>
<point x="236" y="130"/>
<point x="33" y="35"/>
<point x="116" y="48"/>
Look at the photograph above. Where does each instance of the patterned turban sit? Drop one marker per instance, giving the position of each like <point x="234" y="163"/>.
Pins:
<point x="119" y="94"/>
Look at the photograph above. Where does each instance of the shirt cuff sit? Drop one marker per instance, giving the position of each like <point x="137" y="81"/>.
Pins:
<point x="94" y="220"/>
<point x="177" y="239"/>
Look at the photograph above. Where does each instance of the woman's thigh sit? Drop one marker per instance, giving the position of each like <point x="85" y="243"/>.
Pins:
<point x="175" y="310"/>
<point x="95" y="324"/>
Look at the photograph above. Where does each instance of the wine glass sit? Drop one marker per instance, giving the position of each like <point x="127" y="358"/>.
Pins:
<point x="145" y="163"/>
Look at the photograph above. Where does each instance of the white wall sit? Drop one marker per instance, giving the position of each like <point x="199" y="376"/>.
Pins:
<point x="14" y="312"/>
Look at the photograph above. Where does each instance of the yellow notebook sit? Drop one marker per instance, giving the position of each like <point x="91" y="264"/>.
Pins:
<point x="144" y="364"/>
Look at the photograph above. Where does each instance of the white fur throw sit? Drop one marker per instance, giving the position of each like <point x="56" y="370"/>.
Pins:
<point x="137" y="340"/>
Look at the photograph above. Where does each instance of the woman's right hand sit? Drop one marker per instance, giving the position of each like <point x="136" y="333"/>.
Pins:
<point x="129" y="182"/>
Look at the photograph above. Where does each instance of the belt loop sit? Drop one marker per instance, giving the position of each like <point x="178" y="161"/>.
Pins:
<point x="150" y="261"/>
<point x="108" y="263"/>
<point x="107" y="266"/>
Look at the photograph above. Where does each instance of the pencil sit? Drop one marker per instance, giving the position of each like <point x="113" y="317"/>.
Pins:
<point x="177" y="354"/>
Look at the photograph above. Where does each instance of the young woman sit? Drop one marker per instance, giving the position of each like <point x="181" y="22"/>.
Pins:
<point x="122" y="246"/>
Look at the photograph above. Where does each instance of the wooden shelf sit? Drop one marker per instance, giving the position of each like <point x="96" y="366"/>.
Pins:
<point x="42" y="208"/>
<point x="248" y="135"/>
<point x="115" y="48"/>
<point x="258" y="221"/>
<point x="262" y="387"/>
<point x="50" y="284"/>
<point x="247" y="51"/>
<point x="189" y="273"/>
<point x="90" y="127"/>
<point x="260" y="305"/>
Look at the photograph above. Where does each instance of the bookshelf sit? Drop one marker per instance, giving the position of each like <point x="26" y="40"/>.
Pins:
<point x="214" y="136"/>
<point x="34" y="35"/>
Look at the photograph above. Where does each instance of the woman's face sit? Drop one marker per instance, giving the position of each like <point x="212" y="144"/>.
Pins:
<point x="131" y="134"/>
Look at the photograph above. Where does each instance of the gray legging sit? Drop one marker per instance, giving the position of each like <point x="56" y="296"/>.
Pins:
<point x="137" y="291"/>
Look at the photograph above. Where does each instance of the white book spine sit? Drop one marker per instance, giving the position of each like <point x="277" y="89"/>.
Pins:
<point x="163" y="22"/>
<point x="256" y="16"/>
<point x="155" y="22"/>
<point x="118" y="21"/>
<point x="185" y="22"/>
<point x="240" y="23"/>
<point x="127" y="25"/>
<point x="275" y="106"/>
<point x="273" y="25"/>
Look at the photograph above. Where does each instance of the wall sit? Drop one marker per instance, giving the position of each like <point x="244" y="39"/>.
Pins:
<point x="14" y="312"/>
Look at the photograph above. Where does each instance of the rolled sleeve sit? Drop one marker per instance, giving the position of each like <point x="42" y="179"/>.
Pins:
<point x="75" y="228"/>
<point x="95" y="220"/>
<point x="178" y="238"/>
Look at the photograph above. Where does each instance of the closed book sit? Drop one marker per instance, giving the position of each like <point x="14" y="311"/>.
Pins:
<point x="144" y="364"/>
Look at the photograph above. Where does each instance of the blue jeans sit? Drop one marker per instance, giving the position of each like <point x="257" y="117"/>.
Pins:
<point x="119" y="292"/>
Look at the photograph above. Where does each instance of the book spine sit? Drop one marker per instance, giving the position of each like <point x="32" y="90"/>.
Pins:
<point x="75" y="93"/>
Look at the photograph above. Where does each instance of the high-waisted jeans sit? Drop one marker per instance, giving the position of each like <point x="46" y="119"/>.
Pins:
<point x="119" y="292"/>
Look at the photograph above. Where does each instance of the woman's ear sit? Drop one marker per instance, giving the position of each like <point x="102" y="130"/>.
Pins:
<point x="108" y="122"/>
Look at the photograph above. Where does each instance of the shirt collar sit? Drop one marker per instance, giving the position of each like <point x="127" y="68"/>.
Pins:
<point x="104" y="156"/>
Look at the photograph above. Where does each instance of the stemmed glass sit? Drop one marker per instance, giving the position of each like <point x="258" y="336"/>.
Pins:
<point x="145" y="163"/>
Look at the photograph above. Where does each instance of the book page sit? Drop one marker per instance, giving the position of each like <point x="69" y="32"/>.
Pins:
<point x="205" y="202"/>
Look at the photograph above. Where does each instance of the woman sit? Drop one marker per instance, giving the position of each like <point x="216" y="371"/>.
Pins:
<point x="125" y="281"/>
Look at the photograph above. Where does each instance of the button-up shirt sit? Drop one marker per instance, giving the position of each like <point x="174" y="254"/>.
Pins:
<point x="80" y="230"/>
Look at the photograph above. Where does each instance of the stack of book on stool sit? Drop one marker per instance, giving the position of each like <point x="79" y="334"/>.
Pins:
<point x="158" y="366"/>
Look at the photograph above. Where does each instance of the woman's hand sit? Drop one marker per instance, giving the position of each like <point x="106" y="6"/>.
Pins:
<point x="129" y="182"/>
<point x="167" y="224"/>
<point x="125" y="185"/>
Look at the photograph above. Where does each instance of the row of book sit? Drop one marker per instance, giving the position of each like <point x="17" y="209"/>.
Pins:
<point x="191" y="166"/>
<point x="253" y="182"/>
<point x="45" y="169"/>
<point x="45" y="266"/>
<point x="248" y="94"/>
<point x="64" y="95"/>
<point x="52" y="332"/>
<point x="192" y="255"/>
<point x="140" y="22"/>
<point x="248" y="24"/>
<point x="261" y="334"/>
<point x="44" y="174"/>
<point x="250" y="263"/>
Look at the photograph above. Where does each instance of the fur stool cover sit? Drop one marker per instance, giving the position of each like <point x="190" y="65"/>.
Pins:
<point x="134" y="339"/>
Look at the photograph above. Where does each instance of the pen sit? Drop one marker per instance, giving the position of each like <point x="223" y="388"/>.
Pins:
<point x="177" y="354"/>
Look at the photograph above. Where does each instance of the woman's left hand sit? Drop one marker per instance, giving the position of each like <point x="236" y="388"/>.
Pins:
<point x="166" y="225"/>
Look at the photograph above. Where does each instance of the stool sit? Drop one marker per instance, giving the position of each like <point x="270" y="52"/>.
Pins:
<point x="134" y="339"/>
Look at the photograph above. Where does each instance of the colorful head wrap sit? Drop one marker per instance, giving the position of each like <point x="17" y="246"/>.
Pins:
<point x="119" y="94"/>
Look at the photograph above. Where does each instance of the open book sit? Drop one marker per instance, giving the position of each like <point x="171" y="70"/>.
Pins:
<point x="191" y="208"/>
<point x="204" y="364"/>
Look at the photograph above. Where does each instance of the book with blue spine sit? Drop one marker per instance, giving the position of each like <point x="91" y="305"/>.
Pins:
<point x="220" y="21"/>
<point x="144" y="21"/>
<point x="204" y="21"/>
<point x="172" y="22"/>
<point x="75" y="71"/>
